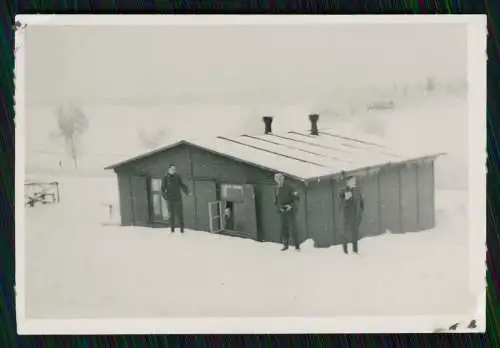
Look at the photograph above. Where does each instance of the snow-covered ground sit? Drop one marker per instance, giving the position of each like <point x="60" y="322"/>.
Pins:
<point x="78" y="268"/>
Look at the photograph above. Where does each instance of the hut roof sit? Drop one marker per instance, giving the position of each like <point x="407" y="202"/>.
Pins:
<point x="299" y="154"/>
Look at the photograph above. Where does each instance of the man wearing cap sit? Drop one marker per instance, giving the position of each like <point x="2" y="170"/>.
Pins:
<point x="352" y="210"/>
<point x="286" y="203"/>
<point x="171" y="187"/>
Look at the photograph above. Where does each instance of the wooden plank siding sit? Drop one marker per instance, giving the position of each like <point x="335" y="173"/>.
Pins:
<point x="267" y="217"/>
<point x="125" y="199"/>
<point x="370" y="224"/>
<point x="336" y="186"/>
<point x="398" y="198"/>
<point x="426" y="202"/>
<point x="409" y="197"/>
<point x="301" y="214"/>
<point x="390" y="211"/>
<point x="140" y="201"/>
<point x="206" y="193"/>
<point x="320" y="213"/>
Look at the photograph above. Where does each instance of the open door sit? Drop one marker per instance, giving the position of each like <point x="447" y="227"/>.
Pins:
<point x="206" y="193"/>
<point x="216" y="217"/>
<point x="251" y="230"/>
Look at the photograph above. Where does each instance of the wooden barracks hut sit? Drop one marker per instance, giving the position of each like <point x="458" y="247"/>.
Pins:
<point x="235" y="175"/>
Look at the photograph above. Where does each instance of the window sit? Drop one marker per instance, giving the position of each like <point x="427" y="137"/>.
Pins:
<point x="233" y="193"/>
<point x="159" y="205"/>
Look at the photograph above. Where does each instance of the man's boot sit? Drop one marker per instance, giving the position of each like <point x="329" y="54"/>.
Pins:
<point x="355" y="247"/>
<point x="344" y="246"/>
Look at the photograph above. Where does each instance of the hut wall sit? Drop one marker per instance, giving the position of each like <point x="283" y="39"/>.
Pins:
<point x="125" y="199"/>
<point x="320" y="213"/>
<point x="139" y="200"/>
<point x="302" y="231"/>
<point x="390" y="211"/>
<point x="215" y="168"/>
<point x="201" y="171"/>
<point x="369" y="187"/>
<point x="398" y="198"/>
<point x="268" y="221"/>
<point x="210" y="169"/>
<point x="156" y="166"/>
<point x="207" y="165"/>
<point x="409" y="197"/>
<point x="205" y="192"/>
<point x="426" y="202"/>
<point x="336" y="186"/>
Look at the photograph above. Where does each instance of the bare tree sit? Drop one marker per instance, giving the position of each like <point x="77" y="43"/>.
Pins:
<point x="72" y="123"/>
<point x="152" y="139"/>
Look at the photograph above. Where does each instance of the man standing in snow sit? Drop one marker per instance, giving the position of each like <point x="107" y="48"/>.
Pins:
<point x="171" y="186"/>
<point x="286" y="199"/>
<point x="352" y="210"/>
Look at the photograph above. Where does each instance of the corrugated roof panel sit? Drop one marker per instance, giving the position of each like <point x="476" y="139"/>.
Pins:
<point x="262" y="158"/>
<point x="300" y="154"/>
<point x="303" y="147"/>
<point x="355" y="153"/>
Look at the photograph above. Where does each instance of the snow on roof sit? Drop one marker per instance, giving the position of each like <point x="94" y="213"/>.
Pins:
<point x="300" y="154"/>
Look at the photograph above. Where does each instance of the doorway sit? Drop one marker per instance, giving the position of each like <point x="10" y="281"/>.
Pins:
<point x="235" y="209"/>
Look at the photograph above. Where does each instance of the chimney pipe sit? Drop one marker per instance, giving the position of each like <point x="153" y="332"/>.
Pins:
<point x="268" y="120"/>
<point x="314" y="123"/>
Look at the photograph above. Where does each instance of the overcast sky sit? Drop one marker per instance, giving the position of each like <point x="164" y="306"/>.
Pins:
<point x="241" y="64"/>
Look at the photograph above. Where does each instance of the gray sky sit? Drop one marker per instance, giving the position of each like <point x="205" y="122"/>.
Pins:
<point x="242" y="64"/>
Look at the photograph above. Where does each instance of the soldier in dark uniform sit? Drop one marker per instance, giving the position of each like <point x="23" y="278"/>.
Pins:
<point x="171" y="187"/>
<point x="352" y="211"/>
<point x="286" y="202"/>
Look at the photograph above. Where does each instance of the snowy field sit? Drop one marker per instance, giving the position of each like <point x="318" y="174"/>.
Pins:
<point x="78" y="268"/>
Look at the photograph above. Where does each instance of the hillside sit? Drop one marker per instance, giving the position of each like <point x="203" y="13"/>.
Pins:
<point x="113" y="134"/>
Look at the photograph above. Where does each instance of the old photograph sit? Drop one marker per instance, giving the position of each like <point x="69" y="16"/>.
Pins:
<point x="191" y="169"/>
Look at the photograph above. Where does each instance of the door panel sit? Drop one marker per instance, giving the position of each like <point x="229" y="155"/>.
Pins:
<point x="249" y="212"/>
<point x="320" y="214"/>
<point x="205" y="193"/>
<point x="215" y="215"/>
<point x="188" y="206"/>
<point x="268" y="222"/>
<point x="140" y="205"/>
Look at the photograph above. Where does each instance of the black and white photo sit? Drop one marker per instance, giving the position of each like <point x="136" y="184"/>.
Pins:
<point x="209" y="174"/>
